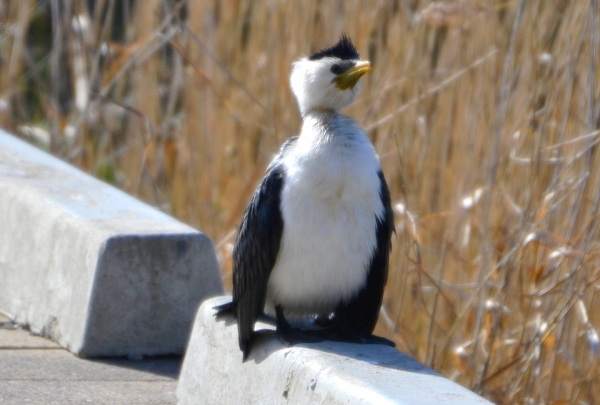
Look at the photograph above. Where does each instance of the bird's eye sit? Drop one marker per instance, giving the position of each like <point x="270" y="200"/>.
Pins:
<point x="336" y="69"/>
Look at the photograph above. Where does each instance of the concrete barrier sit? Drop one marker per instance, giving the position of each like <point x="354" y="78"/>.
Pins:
<point x="92" y="268"/>
<point x="323" y="373"/>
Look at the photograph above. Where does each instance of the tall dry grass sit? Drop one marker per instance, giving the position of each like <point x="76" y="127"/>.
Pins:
<point x="485" y="115"/>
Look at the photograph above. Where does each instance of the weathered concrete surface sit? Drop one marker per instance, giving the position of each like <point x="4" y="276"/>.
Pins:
<point x="34" y="370"/>
<point x="323" y="373"/>
<point x="92" y="268"/>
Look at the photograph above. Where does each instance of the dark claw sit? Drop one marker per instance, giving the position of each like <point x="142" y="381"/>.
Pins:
<point x="350" y="337"/>
<point x="325" y="321"/>
<point x="293" y="336"/>
<point x="290" y="336"/>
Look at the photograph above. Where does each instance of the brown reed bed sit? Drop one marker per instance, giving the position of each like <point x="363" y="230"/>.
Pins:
<point x="485" y="115"/>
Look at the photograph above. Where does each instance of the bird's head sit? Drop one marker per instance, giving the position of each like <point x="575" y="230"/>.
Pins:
<point x="328" y="79"/>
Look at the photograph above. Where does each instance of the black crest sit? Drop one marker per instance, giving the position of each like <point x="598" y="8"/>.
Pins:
<point x="344" y="50"/>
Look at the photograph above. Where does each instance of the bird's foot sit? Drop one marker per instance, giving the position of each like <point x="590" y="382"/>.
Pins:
<point x="351" y="337"/>
<point x="269" y="320"/>
<point x="293" y="336"/>
<point x="324" y="321"/>
<point x="290" y="336"/>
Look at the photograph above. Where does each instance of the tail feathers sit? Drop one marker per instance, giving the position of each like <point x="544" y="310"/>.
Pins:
<point x="229" y="309"/>
<point x="245" y="346"/>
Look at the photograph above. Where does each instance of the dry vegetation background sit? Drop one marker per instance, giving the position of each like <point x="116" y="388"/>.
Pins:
<point x="484" y="113"/>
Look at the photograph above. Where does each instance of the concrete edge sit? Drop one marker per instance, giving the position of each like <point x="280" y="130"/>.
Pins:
<point x="323" y="373"/>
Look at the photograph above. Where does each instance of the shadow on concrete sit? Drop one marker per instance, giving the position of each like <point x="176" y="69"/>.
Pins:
<point x="165" y="366"/>
<point x="265" y="343"/>
<point x="375" y="354"/>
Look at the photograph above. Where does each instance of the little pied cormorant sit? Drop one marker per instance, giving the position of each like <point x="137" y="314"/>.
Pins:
<point x="315" y="238"/>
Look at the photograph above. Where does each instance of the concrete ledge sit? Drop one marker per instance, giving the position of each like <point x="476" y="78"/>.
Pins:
<point x="324" y="373"/>
<point x="92" y="268"/>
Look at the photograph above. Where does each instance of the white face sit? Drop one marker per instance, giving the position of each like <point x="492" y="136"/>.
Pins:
<point x="312" y="83"/>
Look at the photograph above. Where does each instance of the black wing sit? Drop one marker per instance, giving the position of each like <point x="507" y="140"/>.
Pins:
<point x="256" y="249"/>
<point x="361" y="313"/>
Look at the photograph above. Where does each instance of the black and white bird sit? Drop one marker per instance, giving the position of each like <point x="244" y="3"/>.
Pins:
<point x="315" y="239"/>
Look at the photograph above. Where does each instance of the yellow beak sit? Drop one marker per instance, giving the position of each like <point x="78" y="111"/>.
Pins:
<point x="349" y="78"/>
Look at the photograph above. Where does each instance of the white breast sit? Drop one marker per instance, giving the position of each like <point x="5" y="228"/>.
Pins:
<point x="329" y="203"/>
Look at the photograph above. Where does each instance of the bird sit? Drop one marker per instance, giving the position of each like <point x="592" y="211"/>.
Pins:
<point x="315" y="238"/>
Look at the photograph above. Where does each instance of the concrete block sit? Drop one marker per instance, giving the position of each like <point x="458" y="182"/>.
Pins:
<point x="92" y="268"/>
<point x="323" y="373"/>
